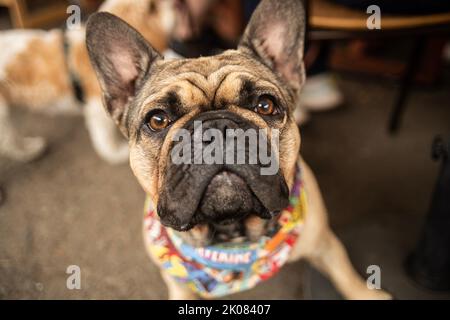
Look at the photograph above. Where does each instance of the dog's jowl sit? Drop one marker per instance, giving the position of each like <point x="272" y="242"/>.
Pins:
<point x="219" y="227"/>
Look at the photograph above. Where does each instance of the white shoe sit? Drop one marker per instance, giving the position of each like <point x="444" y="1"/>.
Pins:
<point x="301" y="115"/>
<point x="447" y="52"/>
<point x="320" y="93"/>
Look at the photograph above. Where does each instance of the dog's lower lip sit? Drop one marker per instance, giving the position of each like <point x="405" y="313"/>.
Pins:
<point x="185" y="227"/>
<point x="275" y="213"/>
<point x="182" y="228"/>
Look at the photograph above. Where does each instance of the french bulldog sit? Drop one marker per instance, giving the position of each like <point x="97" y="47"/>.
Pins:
<point x="198" y="211"/>
<point x="38" y="70"/>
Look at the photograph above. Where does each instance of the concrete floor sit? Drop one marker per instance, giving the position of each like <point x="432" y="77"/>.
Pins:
<point x="72" y="208"/>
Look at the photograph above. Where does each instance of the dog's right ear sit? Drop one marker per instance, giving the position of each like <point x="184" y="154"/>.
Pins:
<point x="275" y="36"/>
<point x="122" y="59"/>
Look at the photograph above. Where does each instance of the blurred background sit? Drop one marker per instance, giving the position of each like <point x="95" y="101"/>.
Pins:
<point x="374" y="102"/>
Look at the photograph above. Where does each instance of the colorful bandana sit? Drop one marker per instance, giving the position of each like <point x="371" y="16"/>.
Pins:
<point x="222" y="269"/>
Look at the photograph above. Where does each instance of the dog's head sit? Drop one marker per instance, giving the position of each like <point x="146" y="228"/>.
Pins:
<point x="254" y="88"/>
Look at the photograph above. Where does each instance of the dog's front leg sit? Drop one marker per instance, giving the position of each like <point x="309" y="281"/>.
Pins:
<point x="320" y="246"/>
<point x="176" y="290"/>
<point x="106" y="139"/>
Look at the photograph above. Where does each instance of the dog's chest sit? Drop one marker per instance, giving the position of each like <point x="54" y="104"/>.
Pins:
<point x="221" y="269"/>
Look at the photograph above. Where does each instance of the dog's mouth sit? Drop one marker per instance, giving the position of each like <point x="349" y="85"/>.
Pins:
<point x="220" y="197"/>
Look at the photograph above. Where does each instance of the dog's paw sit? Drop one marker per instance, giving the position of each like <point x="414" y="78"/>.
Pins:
<point x="384" y="295"/>
<point x="30" y="149"/>
<point x="375" y="295"/>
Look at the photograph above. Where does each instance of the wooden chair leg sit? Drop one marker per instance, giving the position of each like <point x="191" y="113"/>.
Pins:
<point x="429" y="264"/>
<point x="406" y="84"/>
<point x="18" y="13"/>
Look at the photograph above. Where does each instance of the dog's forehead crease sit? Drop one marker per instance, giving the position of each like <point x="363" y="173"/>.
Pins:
<point x="203" y="82"/>
<point x="208" y="66"/>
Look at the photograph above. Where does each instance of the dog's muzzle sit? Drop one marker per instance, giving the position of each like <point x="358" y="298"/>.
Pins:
<point x="219" y="193"/>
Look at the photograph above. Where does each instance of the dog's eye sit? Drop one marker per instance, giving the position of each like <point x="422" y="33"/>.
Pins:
<point x="158" y="121"/>
<point x="266" y="106"/>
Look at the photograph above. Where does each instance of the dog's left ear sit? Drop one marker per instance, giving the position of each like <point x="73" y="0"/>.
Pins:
<point x="275" y="36"/>
<point x="122" y="59"/>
